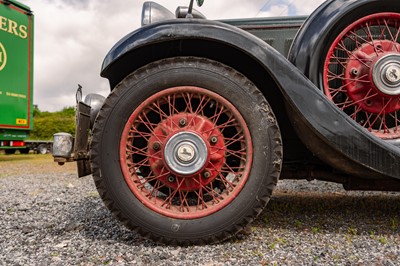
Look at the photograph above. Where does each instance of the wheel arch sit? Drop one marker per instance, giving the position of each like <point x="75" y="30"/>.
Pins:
<point x="216" y="47"/>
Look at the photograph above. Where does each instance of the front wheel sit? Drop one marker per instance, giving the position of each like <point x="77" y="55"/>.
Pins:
<point x="186" y="151"/>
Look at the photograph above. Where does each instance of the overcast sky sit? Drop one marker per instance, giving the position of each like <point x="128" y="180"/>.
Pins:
<point x="73" y="36"/>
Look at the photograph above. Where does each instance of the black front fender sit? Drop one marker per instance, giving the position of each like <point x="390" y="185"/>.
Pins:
<point x="325" y="130"/>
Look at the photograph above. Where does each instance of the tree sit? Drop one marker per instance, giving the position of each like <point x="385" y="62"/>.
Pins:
<point x="46" y="124"/>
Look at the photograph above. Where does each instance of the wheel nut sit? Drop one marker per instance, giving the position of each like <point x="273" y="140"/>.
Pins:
<point x="182" y="122"/>
<point x="214" y="139"/>
<point x="354" y="72"/>
<point x="171" y="179"/>
<point x="156" y="146"/>
<point x="206" y="174"/>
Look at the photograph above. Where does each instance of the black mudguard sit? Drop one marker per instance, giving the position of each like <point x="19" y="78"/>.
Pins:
<point x="324" y="129"/>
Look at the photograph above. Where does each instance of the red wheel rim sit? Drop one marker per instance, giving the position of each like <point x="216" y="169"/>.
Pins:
<point x="362" y="73"/>
<point x="186" y="152"/>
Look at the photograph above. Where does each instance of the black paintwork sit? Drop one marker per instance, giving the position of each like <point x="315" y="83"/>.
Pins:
<point x="324" y="129"/>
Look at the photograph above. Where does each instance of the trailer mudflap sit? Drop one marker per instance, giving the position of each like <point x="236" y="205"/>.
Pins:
<point x="81" y="154"/>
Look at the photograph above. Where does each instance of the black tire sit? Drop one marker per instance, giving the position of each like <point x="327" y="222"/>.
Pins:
<point x="42" y="149"/>
<point x="9" y="151"/>
<point x="325" y="53"/>
<point x="24" y="151"/>
<point x="211" y="77"/>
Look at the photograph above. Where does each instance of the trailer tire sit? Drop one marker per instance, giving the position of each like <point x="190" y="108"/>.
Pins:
<point x="9" y="151"/>
<point x="42" y="149"/>
<point x="189" y="189"/>
<point x="24" y="151"/>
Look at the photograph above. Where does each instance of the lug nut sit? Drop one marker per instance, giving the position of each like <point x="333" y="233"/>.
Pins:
<point x="182" y="122"/>
<point x="171" y="179"/>
<point x="214" y="139"/>
<point x="354" y="72"/>
<point x="206" y="174"/>
<point x="156" y="146"/>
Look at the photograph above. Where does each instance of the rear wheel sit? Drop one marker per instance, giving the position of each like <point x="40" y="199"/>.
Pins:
<point x="186" y="151"/>
<point x="361" y="73"/>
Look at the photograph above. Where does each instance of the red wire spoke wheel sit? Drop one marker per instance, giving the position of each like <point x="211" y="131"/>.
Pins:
<point x="361" y="73"/>
<point x="186" y="152"/>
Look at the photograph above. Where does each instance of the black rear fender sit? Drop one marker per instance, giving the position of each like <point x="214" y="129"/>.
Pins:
<point x="324" y="129"/>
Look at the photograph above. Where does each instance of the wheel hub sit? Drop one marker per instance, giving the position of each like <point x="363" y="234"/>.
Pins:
<point x="184" y="146"/>
<point x="185" y="153"/>
<point x="372" y="77"/>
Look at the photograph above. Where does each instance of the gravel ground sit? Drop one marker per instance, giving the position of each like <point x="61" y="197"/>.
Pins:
<point x="50" y="217"/>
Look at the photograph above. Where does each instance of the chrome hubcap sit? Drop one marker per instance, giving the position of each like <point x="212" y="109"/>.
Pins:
<point x="386" y="74"/>
<point x="186" y="153"/>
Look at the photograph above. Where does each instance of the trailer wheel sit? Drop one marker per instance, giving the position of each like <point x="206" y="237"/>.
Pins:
<point x="9" y="151"/>
<point x="42" y="149"/>
<point x="24" y="151"/>
<point x="186" y="151"/>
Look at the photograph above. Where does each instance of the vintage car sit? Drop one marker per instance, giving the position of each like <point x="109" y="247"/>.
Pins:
<point x="204" y="117"/>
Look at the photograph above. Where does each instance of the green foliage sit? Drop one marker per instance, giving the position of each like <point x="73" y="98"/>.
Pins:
<point x="45" y="124"/>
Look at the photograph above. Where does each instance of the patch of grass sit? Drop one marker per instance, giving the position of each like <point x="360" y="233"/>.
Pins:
<point x="265" y="219"/>
<point x="315" y="230"/>
<point x="372" y="233"/>
<point x="349" y="238"/>
<point x="281" y="240"/>
<point x="278" y="241"/>
<point x="54" y="254"/>
<point x="352" y="231"/>
<point x="93" y="194"/>
<point x="272" y="246"/>
<point x="19" y="164"/>
<point x="383" y="240"/>
<point x="394" y="223"/>
<point x="298" y="224"/>
<point x="257" y="253"/>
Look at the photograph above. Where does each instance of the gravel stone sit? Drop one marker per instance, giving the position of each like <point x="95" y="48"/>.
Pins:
<point x="51" y="217"/>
